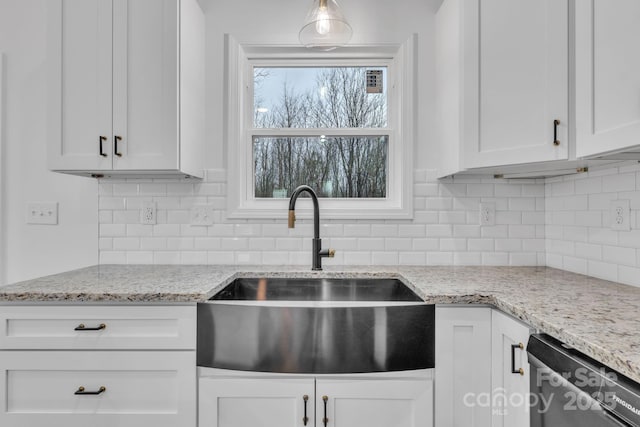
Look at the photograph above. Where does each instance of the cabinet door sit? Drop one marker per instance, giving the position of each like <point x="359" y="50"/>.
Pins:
<point x="510" y="390"/>
<point x="607" y="76"/>
<point x="80" y="98"/>
<point x="463" y="361"/>
<point x="516" y="81"/>
<point x="42" y="388"/>
<point x="256" y="402"/>
<point x="374" y="402"/>
<point x="145" y="79"/>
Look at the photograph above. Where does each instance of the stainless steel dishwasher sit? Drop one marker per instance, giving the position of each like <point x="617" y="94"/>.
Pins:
<point x="570" y="389"/>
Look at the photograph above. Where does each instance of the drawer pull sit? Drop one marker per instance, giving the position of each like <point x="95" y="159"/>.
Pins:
<point x="81" y="391"/>
<point x="81" y="327"/>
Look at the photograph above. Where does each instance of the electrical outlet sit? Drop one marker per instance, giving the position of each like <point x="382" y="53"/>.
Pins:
<point x="148" y="214"/>
<point x="487" y="214"/>
<point x="620" y="215"/>
<point x="202" y="216"/>
<point x="42" y="213"/>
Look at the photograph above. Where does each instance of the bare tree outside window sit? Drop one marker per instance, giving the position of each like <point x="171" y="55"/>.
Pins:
<point x="336" y="166"/>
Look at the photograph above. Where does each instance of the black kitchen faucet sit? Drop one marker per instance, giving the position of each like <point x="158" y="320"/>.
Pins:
<point x="317" y="253"/>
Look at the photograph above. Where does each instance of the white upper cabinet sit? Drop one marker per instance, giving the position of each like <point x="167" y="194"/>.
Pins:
<point x="127" y="87"/>
<point x="502" y="82"/>
<point x="607" y="77"/>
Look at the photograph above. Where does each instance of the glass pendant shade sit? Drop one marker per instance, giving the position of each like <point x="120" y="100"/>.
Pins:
<point x="325" y="27"/>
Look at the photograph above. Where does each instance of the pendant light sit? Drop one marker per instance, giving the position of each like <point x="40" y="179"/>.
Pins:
<point x="325" y="27"/>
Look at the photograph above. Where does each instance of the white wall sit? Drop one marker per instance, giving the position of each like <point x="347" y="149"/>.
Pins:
<point x="445" y="229"/>
<point x="579" y="237"/>
<point x="36" y="250"/>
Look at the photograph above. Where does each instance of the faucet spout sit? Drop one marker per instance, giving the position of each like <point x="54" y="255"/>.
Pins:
<point x="317" y="252"/>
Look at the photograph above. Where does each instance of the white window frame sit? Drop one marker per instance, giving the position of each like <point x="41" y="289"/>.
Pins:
<point x="399" y="60"/>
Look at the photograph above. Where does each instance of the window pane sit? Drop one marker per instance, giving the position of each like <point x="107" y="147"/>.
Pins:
<point x="338" y="167"/>
<point x="327" y="97"/>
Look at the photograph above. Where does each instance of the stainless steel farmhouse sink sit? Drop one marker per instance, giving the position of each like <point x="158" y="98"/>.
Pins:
<point x="331" y="289"/>
<point x="316" y="326"/>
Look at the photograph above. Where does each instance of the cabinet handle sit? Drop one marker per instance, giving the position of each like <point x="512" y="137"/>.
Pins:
<point x="513" y="358"/>
<point x="305" y="419"/>
<point x="325" y="420"/>
<point x="115" y="145"/>
<point x="81" y="327"/>
<point x="100" y="139"/>
<point x="556" y="123"/>
<point x="81" y="391"/>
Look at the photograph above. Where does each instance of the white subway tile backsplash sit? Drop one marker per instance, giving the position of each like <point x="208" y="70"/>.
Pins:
<point x="225" y="258"/>
<point x="213" y="243"/>
<point x="603" y="270"/>
<point x="575" y="265"/>
<point x="508" y="190"/>
<point x="139" y="257"/>
<point x="412" y="258"/>
<point x="629" y="275"/>
<point x="481" y="190"/>
<point x="113" y="257"/>
<point x="371" y="244"/>
<point x="508" y="245"/>
<point x="357" y="230"/>
<point x="467" y="258"/>
<point x="600" y="251"/>
<point x="466" y="230"/>
<point x="172" y="257"/>
<point x="439" y="258"/>
<point x="112" y="230"/>
<point x="153" y="243"/>
<point x="452" y="217"/>
<point x="619" y="182"/>
<point x="523" y="258"/>
<point x="619" y="255"/>
<point x="445" y="229"/>
<point x="126" y="244"/>
<point x="495" y="258"/>
<point x="385" y="258"/>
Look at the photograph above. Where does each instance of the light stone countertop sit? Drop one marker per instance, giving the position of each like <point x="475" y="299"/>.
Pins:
<point x="597" y="317"/>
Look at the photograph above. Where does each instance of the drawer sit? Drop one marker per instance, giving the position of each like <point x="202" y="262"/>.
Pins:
<point x="153" y="388"/>
<point x="124" y="327"/>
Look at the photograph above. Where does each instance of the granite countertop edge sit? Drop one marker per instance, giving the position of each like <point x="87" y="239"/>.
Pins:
<point x="597" y="317"/>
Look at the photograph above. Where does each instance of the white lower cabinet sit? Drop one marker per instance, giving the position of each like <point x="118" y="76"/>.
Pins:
<point x="463" y="366"/>
<point x="509" y="371"/>
<point x="97" y="365"/>
<point x="376" y="400"/>
<point x="478" y="382"/>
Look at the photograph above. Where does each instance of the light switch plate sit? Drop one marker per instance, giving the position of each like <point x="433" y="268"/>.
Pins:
<point x="42" y="213"/>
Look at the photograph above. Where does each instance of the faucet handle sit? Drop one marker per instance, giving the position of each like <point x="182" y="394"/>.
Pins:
<point x="292" y="219"/>
<point x="332" y="253"/>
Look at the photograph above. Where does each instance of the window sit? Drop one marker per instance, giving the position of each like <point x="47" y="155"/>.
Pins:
<point x="340" y="122"/>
